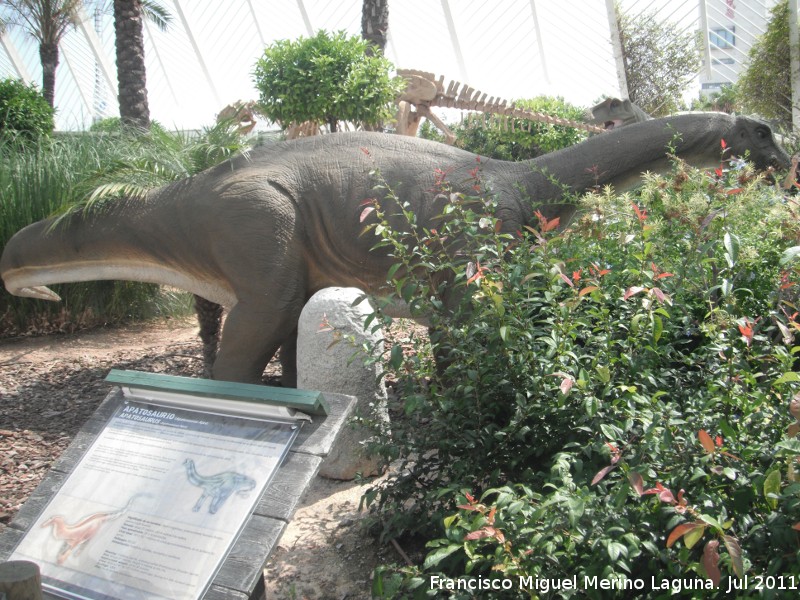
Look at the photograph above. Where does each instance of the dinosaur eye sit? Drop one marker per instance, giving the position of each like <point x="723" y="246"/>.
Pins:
<point x="762" y="133"/>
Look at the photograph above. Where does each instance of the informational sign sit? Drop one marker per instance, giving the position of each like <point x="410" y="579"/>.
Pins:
<point x="155" y="504"/>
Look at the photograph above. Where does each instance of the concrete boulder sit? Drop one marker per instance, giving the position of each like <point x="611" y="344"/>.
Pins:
<point x="330" y="357"/>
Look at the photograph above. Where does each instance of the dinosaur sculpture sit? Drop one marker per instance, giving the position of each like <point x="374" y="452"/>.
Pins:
<point x="239" y="113"/>
<point x="262" y="233"/>
<point x="423" y="91"/>
<point x="218" y="487"/>
<point x="613" y="113"/>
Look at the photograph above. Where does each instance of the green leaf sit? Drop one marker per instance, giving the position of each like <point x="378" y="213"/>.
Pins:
<point x="437" y="556"/>
<point x="615" y="550"/>
<point x="658" y="328"/>
<point x="789" y="255"/>
<point x="693" y="536"/>
<point x="731" y="243"/>
<point x="726" y="288"/>
<point x="576" y="508"/>
<point x="396" y="357"/>
<point x="788" y="377"/>
<point x="711" y="521"/>
<point x="772" y="488"/>
<point x="604" y="373"/>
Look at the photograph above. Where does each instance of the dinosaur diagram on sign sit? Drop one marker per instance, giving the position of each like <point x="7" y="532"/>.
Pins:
<point x="218" y="487"/>
<point x="74" y="536"/>
<point x="425" y="91"/>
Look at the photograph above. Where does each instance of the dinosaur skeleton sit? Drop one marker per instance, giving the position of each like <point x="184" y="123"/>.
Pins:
<point x="241" y="113"/>
<point x="424" y="91"/>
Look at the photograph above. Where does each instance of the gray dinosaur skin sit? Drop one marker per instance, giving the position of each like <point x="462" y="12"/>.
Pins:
<point x="261" y="235"/>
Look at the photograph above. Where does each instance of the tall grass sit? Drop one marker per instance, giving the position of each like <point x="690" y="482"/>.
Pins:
<point x="48" y="177"/>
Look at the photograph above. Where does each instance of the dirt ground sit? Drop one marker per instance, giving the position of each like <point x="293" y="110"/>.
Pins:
<point x="50" y="385"/>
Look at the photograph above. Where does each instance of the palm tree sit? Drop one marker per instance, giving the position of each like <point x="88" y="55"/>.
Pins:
<point x="47" y="21"/>
<point x="375" y="23"/>
<point x="131" y="76"/>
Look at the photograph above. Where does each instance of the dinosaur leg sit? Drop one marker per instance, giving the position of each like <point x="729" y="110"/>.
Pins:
<point x="252" y="335"/>
<point x="218" y="501"/>
<point x="288" y="356"/>
<point x="209" y="317"/>
<point x="199" y="503"/>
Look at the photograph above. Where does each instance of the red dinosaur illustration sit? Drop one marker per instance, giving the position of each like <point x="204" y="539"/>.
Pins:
<point x="75" y="536"/>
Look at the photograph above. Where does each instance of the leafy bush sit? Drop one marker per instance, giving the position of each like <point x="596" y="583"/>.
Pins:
<point x="327" y="79"/>
<point x="24" y="111"/>
<point x="615" y="400"/>
<point x="511" y="138"/>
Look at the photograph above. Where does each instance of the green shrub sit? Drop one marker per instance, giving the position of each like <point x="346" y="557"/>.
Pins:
<point x="512" y="138"/>
<point x="24" y="111"/>
<point x="615" y="399"/>
<point x="328" y="78"/>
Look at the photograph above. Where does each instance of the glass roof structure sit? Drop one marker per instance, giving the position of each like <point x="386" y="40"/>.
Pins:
<point x="203" y="62"/>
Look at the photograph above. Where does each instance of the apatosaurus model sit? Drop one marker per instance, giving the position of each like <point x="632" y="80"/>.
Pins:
<point x="613" y="113"/>
<point x="424" y="91"/>
<point x="262" y="233"/>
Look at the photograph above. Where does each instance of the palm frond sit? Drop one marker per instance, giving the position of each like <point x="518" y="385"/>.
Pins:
<point x="156" y="14"/>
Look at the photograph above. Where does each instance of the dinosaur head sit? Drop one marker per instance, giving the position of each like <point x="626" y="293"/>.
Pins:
<point x="18" y="270"/>
<point x="753" y="138"/>
<point x="613" y="113"/>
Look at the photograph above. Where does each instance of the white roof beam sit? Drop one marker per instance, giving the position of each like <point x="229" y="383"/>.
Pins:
<point x="306" y="20"/>
<point x="84" y="97"/>
<point x="197" y="52"/>
<point x="16" y="59"/>
<point x="261" y="37"/>
<point x="540" y="42"/>
<point x="96" y="47"/>
<point x="160" y="61"/>
<point x="451" y="27"/>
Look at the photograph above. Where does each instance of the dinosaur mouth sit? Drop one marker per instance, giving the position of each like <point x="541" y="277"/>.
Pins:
<point x="40" y="292"/>
<point x="609" y="125"/>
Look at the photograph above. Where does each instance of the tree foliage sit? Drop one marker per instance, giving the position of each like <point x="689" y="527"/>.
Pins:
<point x="511" y="138"/>
<point x="660" y="61"/>
<point x="47" y="21"/>
<point x="328" y="78"/>
<point x="765" y="86"/>
<point x="24" y="110"/>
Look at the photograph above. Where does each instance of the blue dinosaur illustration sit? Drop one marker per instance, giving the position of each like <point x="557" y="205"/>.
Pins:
<point x="218" y="487"/>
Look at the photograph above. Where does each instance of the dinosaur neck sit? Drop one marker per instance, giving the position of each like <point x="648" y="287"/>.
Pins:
<point x="130" y="239"/>
<point x="618" y="158"/>
<point x="192" y="475"/>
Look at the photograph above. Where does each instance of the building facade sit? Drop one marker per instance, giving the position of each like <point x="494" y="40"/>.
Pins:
<point x="732" y="27"/>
